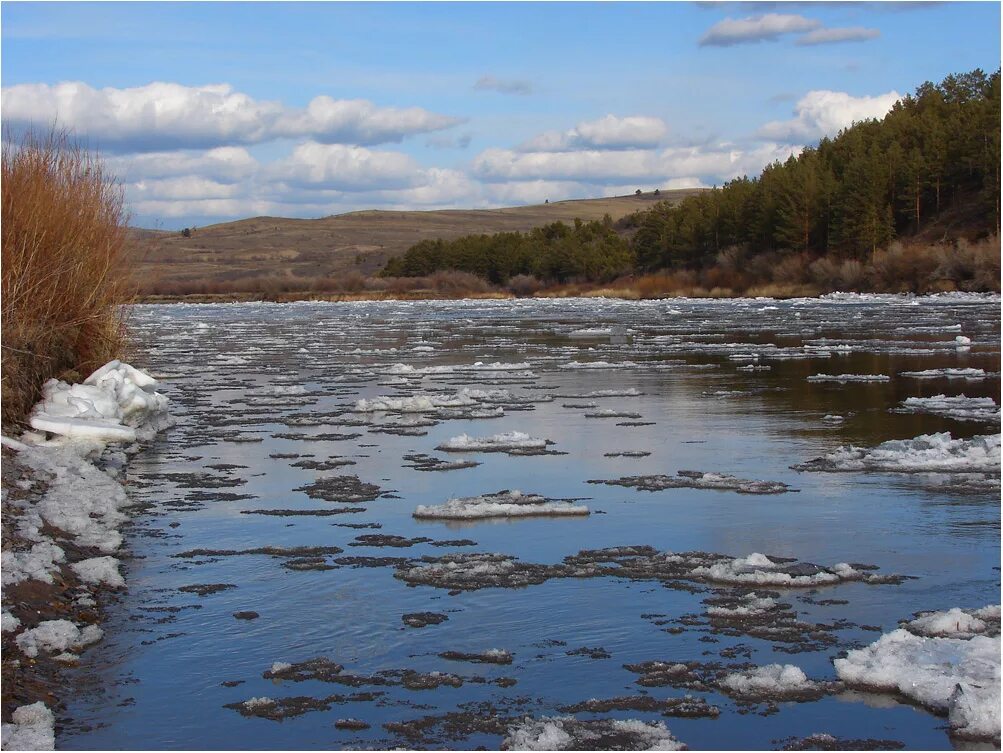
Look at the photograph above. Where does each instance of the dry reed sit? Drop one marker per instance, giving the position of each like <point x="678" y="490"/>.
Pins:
<point x="63" y="242"/>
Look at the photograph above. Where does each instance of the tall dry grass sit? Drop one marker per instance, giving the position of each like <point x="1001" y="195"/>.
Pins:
<point x="63" y="266"/>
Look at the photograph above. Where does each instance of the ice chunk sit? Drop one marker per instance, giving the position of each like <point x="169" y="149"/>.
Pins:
<point x="97" y="570"/>
<point x="32" y="728"/>
<point x="568" y="733"/>
<point x="503" y="504"/>
<point x="108" y="407"/>
<point x="925" y="453"/>
<point x="512" y="440"/>
<point x="8" y="622"/>
<point x="955" y="623"/>
<point x="39" y="563"/>
<point x="958" y="677"/>
<point x="56" y="635"/>
<point x="697" y="480"/>
<point x="971" y="374"/>
<point x="774" y="681"/>
<point x="844" y="378"/>
<point x="959" y="407"/>
<point x="413" y="404"/>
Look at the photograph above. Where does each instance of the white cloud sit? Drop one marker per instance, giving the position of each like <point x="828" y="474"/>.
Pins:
<point x="770" y="26"/>
<point x="185" y="188"/>
<point x="504" y="86"/>
<point x="162" y="116"/>
<point x="652" y="167"/>
<point x="834" y="36"/>
<point x="344" y="168"/>
<point x="358" y="121"/>
<point x="226" y="164"/>
<point x="824" y="113"/>
<point x="608" y="132"/>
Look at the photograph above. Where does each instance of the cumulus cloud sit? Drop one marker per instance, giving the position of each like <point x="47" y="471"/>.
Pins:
<point x="768" y="27"/>
<point x="344" y="168"/>
<point x="504" y="86"/>
<point x="226" y="164"/>
<point x="824" y="113"/>
<point x="163" y="116"/>
<point x="608" y="132"/>
<point x="835" y="36"/>
<point x="654" y="167"/>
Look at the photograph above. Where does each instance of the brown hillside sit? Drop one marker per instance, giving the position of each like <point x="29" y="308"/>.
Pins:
<point x="355" y="242"/>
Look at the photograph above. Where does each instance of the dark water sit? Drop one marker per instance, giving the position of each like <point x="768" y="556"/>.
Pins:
<point x="156" y="678"/>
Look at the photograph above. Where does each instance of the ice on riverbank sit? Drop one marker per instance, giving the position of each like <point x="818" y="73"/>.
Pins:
<point x="503" y="504"/>
<point x="925" y="453"/>
<point x="56" y="636"/>
<point x="114" y="404"/>
<point x="32" y="728"/>
<point x="957" y="677"/>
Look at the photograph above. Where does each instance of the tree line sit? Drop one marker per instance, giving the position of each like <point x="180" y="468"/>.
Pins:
<point x="935" y="151"/>
<point x="557" y="252"/>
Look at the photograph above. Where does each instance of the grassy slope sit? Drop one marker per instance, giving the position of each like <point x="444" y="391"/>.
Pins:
<point x="357" y="241"/>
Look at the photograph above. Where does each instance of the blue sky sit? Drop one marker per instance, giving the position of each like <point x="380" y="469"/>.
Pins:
<point x="215" y="111"/>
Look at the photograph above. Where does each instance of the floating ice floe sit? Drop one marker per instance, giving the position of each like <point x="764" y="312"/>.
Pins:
<point x="750" y="605"/>
<point x="970" y="374"/>
<point x="503" y="504"/>
<point x="956" y="623"/>
<point x="111" y="405"/>
<point x="772" y="682"/>
<point x="569" y="733"/>
<point x="56" y="635"/>
<point x="598" y="365"/>
<point x="414" y="404"/>
<point x="925" y="453"/>
<point x="844" y="378"/>
<point x="697" y="480"/>
<point x="476" y="570"/>
<point x="512" y="441"/>
<point x="956" y="677"/>
<point x="32" y="728"/>
<point x="959" y="407"/>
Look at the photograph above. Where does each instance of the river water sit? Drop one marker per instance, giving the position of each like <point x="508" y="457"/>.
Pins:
<point x="261" y="392"/>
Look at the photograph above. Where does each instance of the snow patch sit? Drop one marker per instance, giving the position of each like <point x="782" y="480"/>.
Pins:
<point x="32" y="728"/>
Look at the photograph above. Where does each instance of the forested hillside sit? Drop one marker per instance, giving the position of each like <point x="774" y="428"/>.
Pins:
<point x="931" y="165"/>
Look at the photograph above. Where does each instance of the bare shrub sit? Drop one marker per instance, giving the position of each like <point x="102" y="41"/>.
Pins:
<point x="64" y="236"/>
<point x="524" y="286"/>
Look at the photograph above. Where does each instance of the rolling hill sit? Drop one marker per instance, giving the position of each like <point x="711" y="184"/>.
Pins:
<point x="359" y="242"/>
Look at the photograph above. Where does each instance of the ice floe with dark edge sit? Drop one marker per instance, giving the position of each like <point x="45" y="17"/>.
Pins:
<point x="937" y="453"/>
<point x="958" y="677"/>
<point x="844" y="378"/>
<point x="503" y="504"/>
<point x="569" y="733"/>
<point x="697" y="480"/>
<point x="969" y="374"/>
<point x="956" y="623"/>
<point x="475" y="570"/>
<point x="511" y="442"/>
<point x="959" y="407"/>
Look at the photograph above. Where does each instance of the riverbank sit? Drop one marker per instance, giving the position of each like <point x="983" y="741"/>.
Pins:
<point x="64" y="502"/>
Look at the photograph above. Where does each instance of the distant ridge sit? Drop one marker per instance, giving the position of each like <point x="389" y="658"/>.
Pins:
<point x="359" y="241"/>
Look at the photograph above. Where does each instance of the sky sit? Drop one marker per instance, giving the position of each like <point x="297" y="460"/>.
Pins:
<point x="208" y="112"/>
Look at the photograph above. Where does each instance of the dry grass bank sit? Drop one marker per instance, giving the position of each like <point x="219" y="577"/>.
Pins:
<point x="63" y="257"/>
